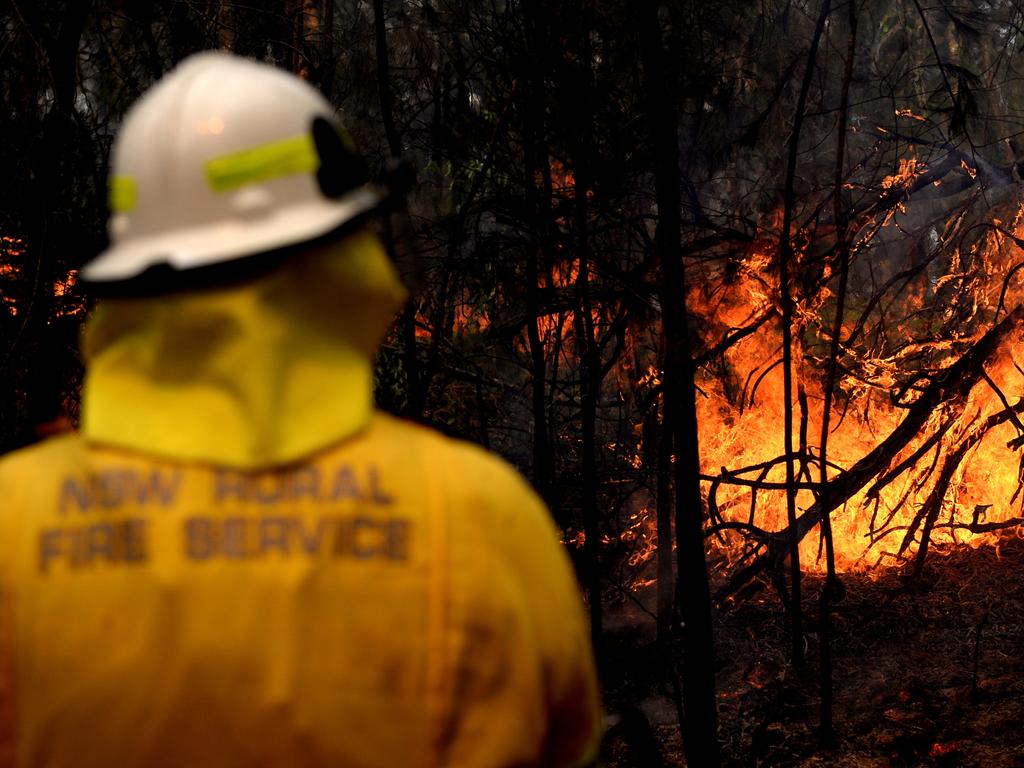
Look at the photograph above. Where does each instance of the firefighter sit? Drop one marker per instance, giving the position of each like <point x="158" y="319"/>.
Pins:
<point x="237" y="561"/>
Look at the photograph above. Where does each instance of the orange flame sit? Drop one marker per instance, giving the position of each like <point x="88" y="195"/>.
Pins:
<point x="741" y="416"/>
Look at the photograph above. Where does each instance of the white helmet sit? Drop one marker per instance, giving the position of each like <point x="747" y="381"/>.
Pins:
<point x="225" y="158"/>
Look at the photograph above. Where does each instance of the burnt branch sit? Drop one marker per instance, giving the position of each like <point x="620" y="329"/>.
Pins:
<point x="909" y="462"/>
<point x="929" y="512"/>
<point x="734" y="336"/>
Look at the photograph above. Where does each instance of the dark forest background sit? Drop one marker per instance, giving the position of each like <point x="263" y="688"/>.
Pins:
<point x="665" y="251"/>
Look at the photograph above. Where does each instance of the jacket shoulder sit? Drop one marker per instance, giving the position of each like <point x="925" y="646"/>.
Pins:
<point x="470" y="474"/>
<point x="47" y="456"/>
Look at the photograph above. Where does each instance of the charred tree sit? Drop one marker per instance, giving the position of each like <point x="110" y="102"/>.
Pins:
<point x="538" y="204"/>
<point x="588" y="354"/>
<point x="384" y="87"/>
<point x="828" y="592"/>
<point x="666" y="582"/>
<point x="325" y="75"/>
<point x="786" y="304"/>
<point x="700" y="729"/>
<point x="59" y="165"/>
<point x="415" y="396"/>
<point x="305" y="16"/>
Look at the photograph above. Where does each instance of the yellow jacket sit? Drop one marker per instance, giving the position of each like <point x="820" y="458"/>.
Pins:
<point x="210" y="575"/>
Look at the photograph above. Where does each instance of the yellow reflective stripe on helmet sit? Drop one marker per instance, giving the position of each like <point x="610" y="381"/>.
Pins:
<point x="122" y="194"/>
<point x="262" y="163"/>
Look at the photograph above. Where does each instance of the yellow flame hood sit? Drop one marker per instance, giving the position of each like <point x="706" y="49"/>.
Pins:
<point x="251" y="375"/>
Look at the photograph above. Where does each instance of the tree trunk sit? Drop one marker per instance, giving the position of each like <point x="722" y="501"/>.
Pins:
<point x="410" y="355"/>
<point x="224" y="19"/>
<point x="305" y="19"/>
<point x="786" y="302"/>
<point x="50" y="227"/>
<point x="666" y="581"/>
<point x="384" y="79"/>
<point x="700" y="730"/>
<point x="586" y="347"/>
<point x="535" y="153"/>
<point x="325" y="70"/>
<point x="826" y="727"/>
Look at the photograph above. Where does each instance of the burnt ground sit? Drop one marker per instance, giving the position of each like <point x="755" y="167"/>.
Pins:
<point x="927" y="672"/>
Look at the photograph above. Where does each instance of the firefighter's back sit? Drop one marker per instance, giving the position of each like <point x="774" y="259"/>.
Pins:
<point x="375" y="605"/>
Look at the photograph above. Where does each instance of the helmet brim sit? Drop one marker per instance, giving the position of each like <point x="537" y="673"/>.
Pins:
<point x="222" y="245"/>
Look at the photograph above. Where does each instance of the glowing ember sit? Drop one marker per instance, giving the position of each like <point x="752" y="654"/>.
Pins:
<point x="63" y="287"/>
<point x="642" y="534"/>
<point x="908" y="170"/>
<point x="911" y="114"/>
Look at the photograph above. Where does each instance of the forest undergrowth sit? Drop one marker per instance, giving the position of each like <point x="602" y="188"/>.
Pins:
<point x="928" y="672"/>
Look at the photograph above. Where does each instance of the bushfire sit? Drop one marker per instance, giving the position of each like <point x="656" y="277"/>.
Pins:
<point x="927" y="423"/>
